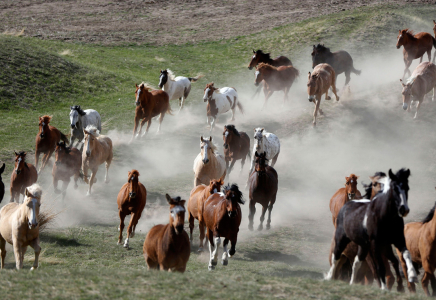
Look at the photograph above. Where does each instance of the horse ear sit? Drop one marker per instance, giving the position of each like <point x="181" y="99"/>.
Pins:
<point x="27" y="193"/>
<point x="71" y="107"/>
<point x="16" y="154"/>
<point x="407" y="173"/>
<point x="182" y="202"/>
<point x="256" y="154"/>
<point x="434" y="22"/>
<point x="399" y="31"/>
<point x="372" y="178"/>
<point x="210" y="138"/>
<point x="222" y="178"/>
<point x="308" y="77"/>
<point x="201" y="138"/>
<point x="2" y="169"/>
<point x="264" y="153"/>
<point x="85" y="132"/>
<point x="136" y="85"/>
<point x="402" y="84"/>
<point x="392" y="175"/>
<point x="169" y="200"/>
<point x="255" y="51"/>
<point x="262" y="129"/>
<point x="357" y="177"/>
<point x="347" y="178"/>
<point x="314" y="47"/>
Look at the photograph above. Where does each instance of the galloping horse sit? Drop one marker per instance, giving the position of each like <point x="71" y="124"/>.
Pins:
<point x="236" y="146"/>
<point x="434" y="28"/>
<point x="208" y="164"/>
<point x="198" y="196"/>
<point x="24" y="175"/>
<point x="222" y="216"/>
<point x="79" y="120"/>
<point x="97" y="150"/>
<point x="414" y="46"/>
<point x="276" y="79"/>
<point x="131" y="200"/>
<point x="263" y="190"/>
<point x="19" y="227"/>
<point x="343" y="195"/>
<point x="167" y="247"/>
<point x="422" y="81"/>
<point x="176" y="87"/>
<point x="68" y="163"/>
<point x="148" y="105"/>
<point x="46" y="140"/>
<point x="2" y="185"/>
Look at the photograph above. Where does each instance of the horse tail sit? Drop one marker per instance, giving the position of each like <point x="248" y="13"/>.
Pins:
<point x="194" y="79"/>
<point x="296" y="72"/>
<point x="169" y="111"/>
<point x="357" y="72"/>
<point x="241" y="109"/>
<point x="64" y="138"/>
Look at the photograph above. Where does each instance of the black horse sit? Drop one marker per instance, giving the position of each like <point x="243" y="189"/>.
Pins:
<point x="2" y="185"/>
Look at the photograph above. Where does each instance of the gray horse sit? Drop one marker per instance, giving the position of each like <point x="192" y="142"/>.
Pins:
<point x="80" y="119"/>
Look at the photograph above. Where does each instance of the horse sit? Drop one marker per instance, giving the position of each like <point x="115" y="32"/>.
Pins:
<point x="319" y="82"/>
<point x="131" y="200"/>
<point x="208" y="164"/>
<point x="276" y="79"/>
<point x="46" y="140"/>
<point x="19" y="227"/>
<point x="98" y="149"/>
<point x="434" y="28"/>
<point x="236" y="146"/>
<point x="148" y="105"/>
<point x="414" y="46"/>
<point x="222" y="216"/>
<point x="423" y="80"/>
<point x="167" y="247"/>
<point x="260" y="57"/>
<point x="220" y="101"/>
<point x="340" y="61"/>
<point x="263" y="190"/>
<point x="2" y="185"/>
<point x="68" y="163"/>
<point x="198" y="196"/>
<point x="343" y="195"/>
<point x="79" y="120"/>
<point x="22" y="176"/>
<point x="374" y="226"/>
<point x="176" y="87"/>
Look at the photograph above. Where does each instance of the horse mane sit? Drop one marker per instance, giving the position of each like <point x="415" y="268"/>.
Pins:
<point x="134" y="172"/>
<point x="46" y="118"/>
<point x="322" y="48"/>
<point x="265" y="67"/>
<point x="234" y="188"/>
<point x="22" y="153"/>
<point x="233" y="129"/>
<point x="213" y="146"/>
<point x="267" y="55"/>
<point x="410" y="80"/>
<point x="35" y="190"/>
<point x="78" y="109"/>
<point x="410" y="33"/>
<point x="91" y="129"/>
<point x="63" y="145"/>
<point x="430" y="215"/>
<point x="171" y="74"/>
<point x="145" y="85"/>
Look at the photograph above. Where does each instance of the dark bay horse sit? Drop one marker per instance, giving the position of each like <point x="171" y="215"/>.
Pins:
<point x="236" y="146"/>
<point x="343" y="195"/>
<point x="46" y="141"/>
<point x="260" y="57"/>
<point x="2" y="185"/>
<point x="167" y="247"/>
<point x="68" y="163"/>
<point x="131" y="201"/>
<point x="222" y="216"/>
<point x="22" y="176"/>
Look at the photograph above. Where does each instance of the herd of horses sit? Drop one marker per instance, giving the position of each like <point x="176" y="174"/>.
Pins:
<point x="366" y="226"/>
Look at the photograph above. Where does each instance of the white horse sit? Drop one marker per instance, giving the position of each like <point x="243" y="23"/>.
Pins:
<point x="80" y="119"/>
<point x="176" y="87"/>
<point x="208" y="164"/>
<point x="265" y="142"/>
<point x="220" y="101"/>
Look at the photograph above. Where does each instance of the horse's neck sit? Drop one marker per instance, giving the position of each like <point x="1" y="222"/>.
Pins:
<point x="22" y="213"/>
<point x="80" y="121"/>
<point x="268" y="60"/>
<point x="172" y="238"/>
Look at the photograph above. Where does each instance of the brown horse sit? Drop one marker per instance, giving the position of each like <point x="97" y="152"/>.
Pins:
<point x="236" y="146"/>
<point x="131" y="200"/>
<point x="222" y="216"/>
<point x="276" y="79"/>
<point x="414" y="46"/>
<point x="148" y="105"/>
<point x="199" y="195"/>
<point x="263" y="184"/>
<point x="434" y="28"/>
<point x="2" y="185"/>
<point x="68" y="163"/>
<point x="343" y="195"/>
<point x="46" y="140"/>
<point x="24" y="175"/>
<point x="167" y="247"/>
<point x="260" y="57"/>
<point x="319" y="82"/>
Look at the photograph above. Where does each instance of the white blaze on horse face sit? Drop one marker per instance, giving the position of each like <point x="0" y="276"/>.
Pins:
<point x="32" y="218"/>
<point x="386" y="181"/>
<point x="73" y="117"/>
<point x="403" y="201"/>
<point x="256" y="74"/>
<point x="205" y="148"/>
<point x="206" y="93"/>
<point x="254" y="56"/>
<point x="176" y="210"/>
<point x="226" y="134"/>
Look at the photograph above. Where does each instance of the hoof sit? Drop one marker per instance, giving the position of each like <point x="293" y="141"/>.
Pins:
<point x="132" y="234"/>
<point x="200" y="249"/>
<point x="224" y="262"/>
<point x="260" y="228"/>
<point x="413" y="279"/>
<point x="57" y="191"/>
<point x="126" y="246"/>
<point x="400" y="289"/>
<point x="268" y="227"/>
<point x="76" y="186"/>
<point x="33" y="268"/>
<point x="337" y="98"/>
<point x="88" y="194"/>
<point x="328" y="98"/>
<point x="210" y="268"/>
<point x="250" y="227"/>
<point x="119" y="243"/>
<point x="214" y="263"/>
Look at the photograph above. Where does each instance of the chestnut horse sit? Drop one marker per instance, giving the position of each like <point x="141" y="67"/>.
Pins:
<point x="263" y="184"/>
<point x="22" y="176"/>
<point x="343" y="195"/>
<point x="198" y="196"/>
<point x="46" y="140"/>
<point x="236" y="146"/>
<point x="319" y="82"/>
<point x="167" y="247"/>
<point x="148" y="105"/>
<point x="68" y="163"/>
<point x="222" y="216"/>
<point x="131" y="200"/>
<point x="414" y="46"/>
<point x="434" y="28"/>
<point x="260" y="57"/>
<point x="2" y="185"/>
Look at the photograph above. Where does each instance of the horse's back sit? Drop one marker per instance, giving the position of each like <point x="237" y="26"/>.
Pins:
<point x="92" y="117"/>
<point x="273" y="146"/>
<point x="193" y="202"/>
<point x="281" y="61"/>
<point x="5" y="220"/>
<point x="245" y="145"/>
<point x="105" y="141"/>
<point x="228" y="91"/>
<point x="337" y="201"/>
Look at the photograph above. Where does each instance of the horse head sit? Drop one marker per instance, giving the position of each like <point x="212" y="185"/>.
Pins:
<point x="208" y="92"/>
<point x="351" y="186"/>
<point x="74" y="116"/>
<point x="257" y="55"/>
<point x="319" y="54"/>
<point x="312" y="86"/>
<point x="20" y="162"/>
<point x="33" y="202"/>
<point x="258" y="139"/>
<point x="396" y="186"/>
<point x="133" y="180"/>
<point x="407" y="92"/>
<point x="229" y="132"/>
<point x="260" y="163"/>
<point x="177" y="213"/>
<point x="401" y="38"/>
<point x="163" y="78"/>
<point x="215" y="185"/>
<point x="375" y="185"/>
<point x="233" y="199"/>
<point x="205" y="146"/>
<point x="43" y="125"/>
<point x="141" y="93"/>
<point x="61" y="152"/>
<point x="259" y="74"/>
<point x="91" y="132"/>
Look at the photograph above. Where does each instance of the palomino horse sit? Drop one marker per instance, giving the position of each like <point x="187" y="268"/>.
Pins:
<point x="220" y="101"/>
<point x="148" y="105"/>
<point x="361" y="221"/>
<point x="176" y="87"/>
<point x="263" y="190"/>
<point x="422" y="81"/>
<point x="236" y="146"/>
<point x="199" y="195"/>
<point x="68" y="163"/>
<point x="19" y="227"/>
<point x="319" y="82"/>
<point x="276" y="79"/>
<point x="343" y="195"/>
<point x="208" y="164"/>
<point x="131" y="200"/>
<point x="222" y="216"/>
<point x="167" y="247"/>
<point x="46" y="140"/>
<point x="414" y="46"/>
<point x="79" y="120"/>
<point x="22" y="176"/>
<point x="2" y="185"/>
<point x="97" y="150"/>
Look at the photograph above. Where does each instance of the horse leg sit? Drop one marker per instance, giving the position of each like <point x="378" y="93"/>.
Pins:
<point x="191" y="226"/>
<point x="133" y="221"/>
<point x="262" y="217"/>
<point x="107" y="165"/>
<point x="411" y="273"/>
<point x="201" y="227"/>
<point x="341" y="242"/>
<point x="252" y="208"/>
<point x="180" y="103"/>
<point x="327" y="97"/>
<point x="231" y="166"/>
<point x="410" y="285"/>
<point x="358" y="260"/>
<point x="251" y="170"/>
<point x="211" y="249"/>
<point x="334" y="89"/>
<point x="315" y="113"/>
<point x="428" y="276"/>
<point x="55" y="185"/>
<point x="37" y="249"/>
<point x="37" y="153"/>
<point x="161" y="117"/>
<point x="64" y="188"/>
<point x="417" y="108"/>
<point x="225" y="259"/>
<point x="2" y="251"/>
<point x="407" y="63"/>
<point x="122" y="216"/>
<point x="395" y="263"/>
<point x="135" y="126"/>
<point x="232" y="250"/>
<point x="91" y="181"/>
<point x="76" y="177"/>
<point x="19" y="253"/>
<point x="270" y="207"/>
<point x="433" y="283"/>
<point x="212" y="125"/>
<point x="142" y="125"/>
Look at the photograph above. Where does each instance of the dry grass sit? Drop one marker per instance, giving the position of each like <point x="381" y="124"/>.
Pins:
<point x="14" y="32"/>
<point x="161" y="59"/>
<point x="66" y="52"/>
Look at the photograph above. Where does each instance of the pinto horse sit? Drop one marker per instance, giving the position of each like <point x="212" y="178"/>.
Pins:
<point x="22" y="176"/>
<point x="46" y="140"/>
<point x="167" y="247"/>
<point x="68" y="163"/>
<point x="131" y="200"/>
<point x="148" y="105"/>
<point x="208" y="164"/>
<point x="79" y="120"/>
<point x="222" y="216"/>
<point x="198" y="196"/>
<point x="2" y="185"/>
<point x="236" y="146"/>
<point x="343" y="195"/>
